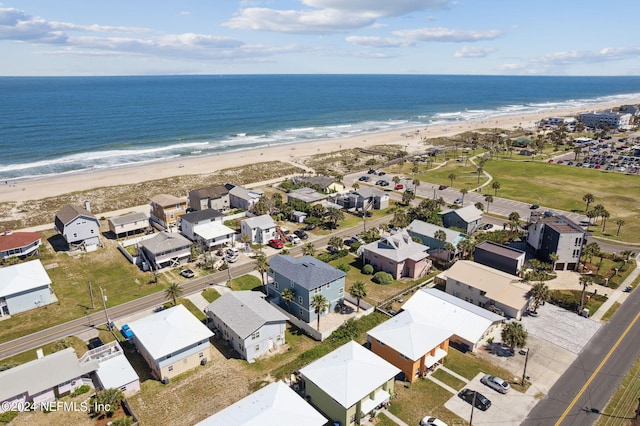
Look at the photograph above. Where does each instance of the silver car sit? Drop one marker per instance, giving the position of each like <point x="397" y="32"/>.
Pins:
<point x="495" y="383"/>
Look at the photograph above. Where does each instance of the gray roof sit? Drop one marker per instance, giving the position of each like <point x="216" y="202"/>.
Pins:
<point x="308" y="272"/>
<point x="214" y="191"/>
<point x="398" y="247"/>
<point x="320" y="180"/>
<point x="244" y="193"/>
<point x="165" y="241"/>
<point x="500" y="249"/>
<point x="369" y="192"/>
<point x="68" y="212"/>
<point x="42" y="374"/>
<point x="429" y="230"/>
<point x="308" y="195"/>
<point x="200" y="215"/>
<point x="165" y="200"/>
<point x="263" y="222"/>
<point x="244" y="312"/>
<point x="128" y="218"/>
<point x="469" y="213"/>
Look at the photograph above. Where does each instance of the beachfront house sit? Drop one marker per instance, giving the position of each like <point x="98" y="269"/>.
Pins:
<point x="250" y="324"/>
<point x="274" y="405"/>
<point x="503" y="258"/>
<point x="548" y="234"/>
<point x="191" y="220"/>
<point x="349" y="383"/>
<point x="19" y="244"/>
<point x="114" y="371"/>
<point x="398" y="255"/>
<point x="306" y="277"/>
<point x="165" y="249"/>
<point x="427" y="232"/>
<point x="43" y="380"/>
<point x="412" y="342"/>
<point x="166" y="210"/>
<point x="243" y="198"/>
<point x="258" y="229"/>
<point x="365" y="199"/>
<point x="131" y="223"/>
<point x="172" y="341"/>
<point x="80" y="228"/>
<point x="212" y="197"/>
<point x="24" y="286"/>
<point x="468" y="219"/>
<point x="321" y="183"/>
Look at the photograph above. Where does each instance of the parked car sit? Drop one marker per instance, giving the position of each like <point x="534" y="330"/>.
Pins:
<point x="309" y="227"/>
<point x="233" y="252"/>
<point x="231" y="259"/>
<point x="457" y="201"/>
<point x="332" y="249"/>
<point x="441" y="187"/>
<point x="384" y="183"/>
<point x="357" y="239"/>
<point x="381" y="173"/>
<point x="399" y="186"/>
<point x="534" y="206"/>
<point x="364" y="179"/>
<point x="126" y="331"/>
<point x="432" y="421"/>
<point x="477" y="399"/>
<point x="487" y="226"/>
<point x="276" y="244"/>
<point x="294" y="239"/>
<point x="495" y="383"/>
<point x="187" y="273"/>
<point x="379" y="182"/>
<point x="301" y="234"/>
<point x="372" y="172"/>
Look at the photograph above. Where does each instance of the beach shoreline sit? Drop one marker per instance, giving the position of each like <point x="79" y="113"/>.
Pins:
<point x="412" y="139"/>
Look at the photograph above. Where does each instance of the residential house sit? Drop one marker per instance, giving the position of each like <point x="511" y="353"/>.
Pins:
<point x="212" y="197"/>
<point x="398" y="255"/>
<point x="243" y="198"/>
<point x="19" y="244"/>
<point x="214" y="234"/>
<point x="306" y="277"/>
<point x="367" y="199"/>
<point x="503" y="258"/>
<point x="487" y="287"/>
<point x="468" y="219"/>
<point x="308" y="196"/>
<point x="326" y="184"/>
<point x="78" y="226"/>
<point x="248" y="322"/>
<point x="172" y="341"/>
<point x="24" y="286"/>
<point x="411" y="342"/>
<point x="274" y="405"/>
<point x="426" y="232"/>
<point x="129" y="224"/>
<point x="556" y="234"/>
<point x="43" y="380"/>
<point x="166" y="210"/>
<point x="349" y="383"/>
<point x="165" y="249"/>
<point x="114" y="371"/>
<point x="258" y="229"/>
<point x="199" y="217"/>
<point x="469" y="325"/>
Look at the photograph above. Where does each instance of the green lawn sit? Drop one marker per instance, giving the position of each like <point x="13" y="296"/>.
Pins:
<point x="210" y="294"/>
<point x="420" y="399"/>
<point x="448" y="379"/>
<point x="73" y="342"/>
<point x="246" y="282"/>
<point x="612" y="310"/>
<point x="624" y="402"/>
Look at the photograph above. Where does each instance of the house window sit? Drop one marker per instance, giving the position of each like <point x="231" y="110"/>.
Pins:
<point x="201" y="355"/>
<point x="300" y="312"/>
<point x="170" y="368"/>
<point x="380" y="343"/>
<point x="300" y="299"/>
<point x="341" y="290"/>
<point x="578" y="241"/>
<point x="75" y="235"/>
<point x="328" y="285"/>
<point x="123" y="388"/>
<point x="255" y="335"/>
<point x="275" y="284"/>
<point x="257" y="348"/>
<point x="291" y="284"/>
<point x="317" y="290"/>
<point x="171" y="216"/>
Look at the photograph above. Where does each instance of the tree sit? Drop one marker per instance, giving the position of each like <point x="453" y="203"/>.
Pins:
<point x="173" y="293"/>
<point x="400" y="219"/>
<point x="479" y="206"/>
<point x="334" y="216"/>
<point x="495" y="185"/>
<point x="416" y="184"/>
<point x="108" y="401"/>
<point x="319" y="304"/>
<point x="585" y="280"/>
<point x="605" y="215"/>
<point x="591" y="214"/>
<point x="464" y="192"/>
<point x="577" y="151"/>
<point x="308" y="249"/>
<point x="355" y="186"/>
<point x="359" y="291"/>
<point x="489" y="200"/>
<point x="336" y="242"/>
<point x="588" y="198"/>
<point x="316" y="210"/>
<point x="514" y="335"/>
<point x="440" y="236"/>
<point x="451" y="178"/>
<point x="539" y="293"/>
<point x="620" y="223"/>
<point x="262" y="266"/>
<point x="396" y="179"/>
<point x="514" y="220"/>
<point x="288" y="296"/>
<point x="466" y="247"/>
<point x="407" y="197"/>
<point x="554" y="257"/>
<point x="590" y="250"/>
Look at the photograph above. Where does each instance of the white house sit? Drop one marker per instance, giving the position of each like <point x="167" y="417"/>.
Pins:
<point x="129" y="223"/>
<point x="114" y="370"/>
<point x="78" y="226"/>
<point x="243" y="198"/>
<point x="24" y="286"/>
<point x="172" y="341"/>
<point x="214" y="234"/>
<point x="248" y="322"/>
<point x="19" y="244"/>
<point x="189" y="221"/>
<point x="258" y="229"/>
<point x="274" y="405"/>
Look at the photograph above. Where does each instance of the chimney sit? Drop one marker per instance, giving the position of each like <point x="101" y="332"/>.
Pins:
<point x="87" y="206"/>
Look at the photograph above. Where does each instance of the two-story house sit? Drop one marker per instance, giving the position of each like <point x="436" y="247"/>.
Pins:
<point x="504" y="258"/>
<point x="556" y="234"/>
<point x="398" y="255"/>
<point x="468" y="219"/>
<point x="306" y="277"/>
<point x="258" y="229"/>
<point x="131" y="223"/>
<point x="427" y="232"/>
<point x="19" y="244"/>
<point x="78" y="226"/>
<point x="166" y="210"/>
<point x="243" y="198"/>
<point x="24" y="286"/>
<point x="165" y="249"/>
<point x="212" y="197"/>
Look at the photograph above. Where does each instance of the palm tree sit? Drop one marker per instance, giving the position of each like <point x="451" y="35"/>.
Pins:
<point x="620" y="223"/>
<point x="319" y="304"/>
<point x="396" y="179"/>
<point x="585" y="280"/>
<point x="308" y="249"/>
<point x="514" y="220"/>
<point x="334" y="216"/>
<point x="107" y="401"/>
<point x="359" y="291"/>
<point x="539" y="293"/>
<point x="489" y="200"/>
<point x="466" y="246"/>
<point x="451" y="177"/>
<point x="479" y="170"/>
<point x="605" y="215"/>
<point x="479" y="206"/>
<point x="355" y="186"/>
<point x="495" y="185"/>
<point x="407" y="197"/>
<point x="591" y="214"/>
<point x="288" y="296"/>
<point x="514" y="335"/>
<point x="262" y="266"/>
<point x="577" y="151"/>
<point x="464" y="192"/>
<point x="554" y="257"/>
<point x="588" y="198"/>
<point x="440" y="236"/>
<point x="173" y="293"/>
<point x="416" y="184"/>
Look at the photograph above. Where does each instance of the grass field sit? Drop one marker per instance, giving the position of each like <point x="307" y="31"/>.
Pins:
<point x="620" y="410"/>
<point x="246" y="282"/>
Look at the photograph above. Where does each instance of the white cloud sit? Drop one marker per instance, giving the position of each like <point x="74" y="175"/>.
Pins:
<point x="474" y="52"/>
<point x="602" y="55"/>
<point x="378" y="7"/>
<point x="446" y="34"/>
<point x="184" y="13"/>
<point x="376" y="41"/>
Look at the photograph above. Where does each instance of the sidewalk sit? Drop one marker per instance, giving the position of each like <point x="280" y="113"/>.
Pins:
<point x="617" y="293"/>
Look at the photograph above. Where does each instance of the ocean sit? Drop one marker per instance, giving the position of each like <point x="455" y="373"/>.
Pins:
<point x="57" y="125"/>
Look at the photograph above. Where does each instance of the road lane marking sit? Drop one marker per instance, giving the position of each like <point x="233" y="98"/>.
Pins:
<point x="597" y="370"/>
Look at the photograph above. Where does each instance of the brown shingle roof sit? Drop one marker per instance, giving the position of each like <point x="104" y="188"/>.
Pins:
<point x="68" y="212"/>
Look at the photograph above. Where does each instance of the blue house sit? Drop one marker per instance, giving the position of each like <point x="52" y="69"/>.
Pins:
<point x="306" y="277"/>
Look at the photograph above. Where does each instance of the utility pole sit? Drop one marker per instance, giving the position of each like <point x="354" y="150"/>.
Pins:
<point x="473" y="405"/>
<point x="93" y="306"/>
<point x="524" y="372"/>
<point x="104" y="304"/>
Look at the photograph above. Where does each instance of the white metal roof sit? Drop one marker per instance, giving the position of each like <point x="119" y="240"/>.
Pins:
<point x="22" y="277"/>
<point x="169" y="331"/>
<point x="263" y="222"/>
<point x="116" y="372"/>
<point x="274" y="405"/>
<point x="349" y="373"/>
<point x="212" y="230"/>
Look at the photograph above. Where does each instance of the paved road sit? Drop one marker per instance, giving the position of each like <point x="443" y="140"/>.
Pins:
<point x="595" y="375"/>
<point x="79" y="325"/>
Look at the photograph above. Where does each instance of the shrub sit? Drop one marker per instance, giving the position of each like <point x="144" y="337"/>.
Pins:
<point x="344" y="267"/>
<point x="82" y="389"/>
<point x="382" y="278"/>
<point x="367" y="269"/>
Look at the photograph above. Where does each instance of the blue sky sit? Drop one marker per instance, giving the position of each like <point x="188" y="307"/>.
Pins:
<point x="497" y="37"/>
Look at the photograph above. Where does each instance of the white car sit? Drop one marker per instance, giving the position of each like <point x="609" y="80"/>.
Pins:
<point x="294" y="239"/>
<point x="495" y="383"/>
<point x="432" y="421"/>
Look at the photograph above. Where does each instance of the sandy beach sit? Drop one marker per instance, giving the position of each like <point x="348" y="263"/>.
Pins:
<point x="411" y="139"/>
